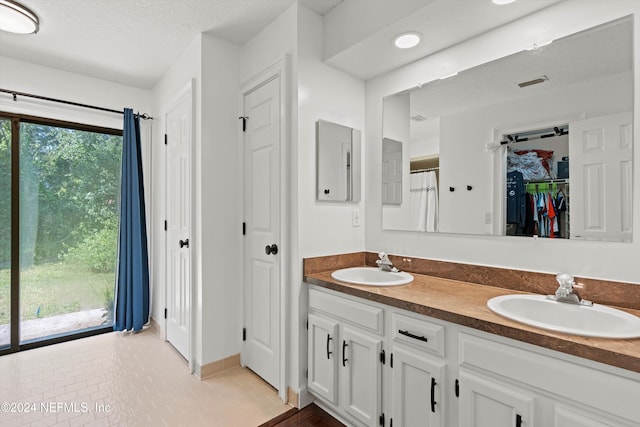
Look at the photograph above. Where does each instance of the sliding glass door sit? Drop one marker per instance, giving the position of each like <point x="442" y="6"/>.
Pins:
<point x="5" y="233"/>
<point x="68" y="185"/>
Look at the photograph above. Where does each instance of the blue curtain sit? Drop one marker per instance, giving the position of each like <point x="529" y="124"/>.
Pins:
<point x="132" y="276"/>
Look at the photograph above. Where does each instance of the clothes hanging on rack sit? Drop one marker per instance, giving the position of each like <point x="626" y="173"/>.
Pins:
<point x="547" y="201"/>
<point x="536" y="208"/>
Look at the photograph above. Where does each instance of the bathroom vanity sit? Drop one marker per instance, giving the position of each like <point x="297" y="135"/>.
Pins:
<point x="431" y="353"/>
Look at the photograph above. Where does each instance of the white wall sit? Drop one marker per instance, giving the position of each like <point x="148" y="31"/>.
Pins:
<point x="212" y="65"/>
<point x="324" y="227"/>
<point x="30" y="78"/>
<point x="613" y="261"/>
<point x="219" y="165"/>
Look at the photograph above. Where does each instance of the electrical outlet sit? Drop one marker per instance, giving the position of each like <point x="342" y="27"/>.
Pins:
<point x="355" y="218"/>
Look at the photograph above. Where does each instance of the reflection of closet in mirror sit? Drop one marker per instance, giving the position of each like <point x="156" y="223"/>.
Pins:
<point x="537" y="183"/>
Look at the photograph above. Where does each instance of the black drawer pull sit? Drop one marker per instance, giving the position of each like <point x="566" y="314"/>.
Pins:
<point x="328" y="351"/>
<point x="433" y="395"/>
<point x="410" y="335"/>
<point x="344" y="353"/>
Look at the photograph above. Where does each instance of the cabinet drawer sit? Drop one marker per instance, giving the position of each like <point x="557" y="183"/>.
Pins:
<point x="344" y="308"/>
<point x="418" y="333"/>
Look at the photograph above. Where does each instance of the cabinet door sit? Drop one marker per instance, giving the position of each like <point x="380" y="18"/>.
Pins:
<point x="486" y="402"/>
<point x="566" y="416"/>
<point x="418" y="381"/>
<point x="322" y="338"/>
<point x="361" y="374"/>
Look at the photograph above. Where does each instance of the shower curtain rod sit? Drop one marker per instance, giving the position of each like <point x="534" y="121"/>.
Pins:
<point x="437" y="168"/>
<point x="15" y="94"/>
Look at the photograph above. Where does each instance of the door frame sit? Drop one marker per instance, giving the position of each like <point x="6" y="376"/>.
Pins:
<point x="276" y="70"/>
<point x="186" y="90"/>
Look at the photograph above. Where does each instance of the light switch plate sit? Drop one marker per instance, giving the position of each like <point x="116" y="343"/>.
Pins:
<point x="355" y="217"/>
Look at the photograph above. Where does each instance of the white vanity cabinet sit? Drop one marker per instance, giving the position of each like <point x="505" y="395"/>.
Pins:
<point x="344" y="358"/>
<point x="441" y="374"/>
<point x="487" y="402"/>
<point x="418" y="371"/>
<point x="322" y="376"/>
<point x="507" y="383"/>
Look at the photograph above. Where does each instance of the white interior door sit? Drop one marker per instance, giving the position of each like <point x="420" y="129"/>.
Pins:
<point x="600" y="173"/>
<point x="262" y="251"/>
<point x="178" y="298"/>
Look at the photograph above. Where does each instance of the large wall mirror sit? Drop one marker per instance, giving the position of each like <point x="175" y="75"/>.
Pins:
<point x="538" y="143"/>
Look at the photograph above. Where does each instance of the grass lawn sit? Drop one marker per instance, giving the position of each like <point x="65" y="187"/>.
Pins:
<point x="57" y="288"/>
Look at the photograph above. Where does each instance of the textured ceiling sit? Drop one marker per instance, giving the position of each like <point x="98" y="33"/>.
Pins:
<point x="443" y="23"/>
<point x="134" y="42"/>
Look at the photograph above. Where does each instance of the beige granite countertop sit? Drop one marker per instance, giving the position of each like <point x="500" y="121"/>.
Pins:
<point x="464" y="303"/>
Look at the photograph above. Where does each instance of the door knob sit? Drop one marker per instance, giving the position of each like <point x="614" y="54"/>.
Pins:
<point x="183" y="243"/>
<point x="271" y="249"/>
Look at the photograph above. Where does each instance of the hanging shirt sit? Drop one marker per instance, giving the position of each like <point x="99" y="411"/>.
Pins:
<point x="516" y="199"/>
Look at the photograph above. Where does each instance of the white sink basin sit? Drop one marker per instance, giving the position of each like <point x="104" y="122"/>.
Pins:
<point x="595" y="321"/>
<point x="371" y="276"/>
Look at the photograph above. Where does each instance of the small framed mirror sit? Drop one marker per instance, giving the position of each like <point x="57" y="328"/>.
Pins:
<point x="338" y="162"/>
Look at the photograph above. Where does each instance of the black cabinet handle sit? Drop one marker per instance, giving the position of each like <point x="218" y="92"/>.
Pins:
<point x="344" y="353"/>
<point x="433" y="395"/>
<point x="271" y="249"/>
<point x="518" y="420"/>
<point x="328" y="351"/>
<point x="183" y="243"/>
<point x="410" y="335"/>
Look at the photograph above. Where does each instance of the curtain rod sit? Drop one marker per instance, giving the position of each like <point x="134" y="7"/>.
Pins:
<point x="15" y="94"/>
<point x="437" y="168"/>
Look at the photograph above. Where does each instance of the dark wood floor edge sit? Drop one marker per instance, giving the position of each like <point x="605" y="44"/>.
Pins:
<point x="277" y="420"/>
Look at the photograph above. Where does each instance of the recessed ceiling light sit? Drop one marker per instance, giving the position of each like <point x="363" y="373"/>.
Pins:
<point x="407" y="40"/>
<point x="15" y="18"/>
<point x="502" y="2"/>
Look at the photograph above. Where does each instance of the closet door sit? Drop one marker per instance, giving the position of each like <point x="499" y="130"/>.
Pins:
<point x="601" y="174"/>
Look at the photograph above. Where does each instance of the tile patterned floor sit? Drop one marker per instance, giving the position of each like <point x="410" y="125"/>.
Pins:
<point x="120" y="379"/>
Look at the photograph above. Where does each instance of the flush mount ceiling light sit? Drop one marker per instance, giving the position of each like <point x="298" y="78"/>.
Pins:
<point x="15" y="18"/>
<point x="502" y="2"/>
<point x="407" y="40"/>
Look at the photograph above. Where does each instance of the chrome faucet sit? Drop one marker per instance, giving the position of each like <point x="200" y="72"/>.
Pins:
<point x="385" y="264"/>
<point x="566" y="291"/>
